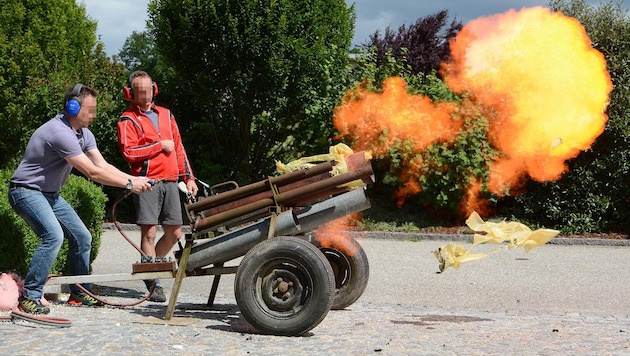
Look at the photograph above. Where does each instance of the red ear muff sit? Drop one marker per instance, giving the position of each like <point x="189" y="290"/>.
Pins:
<point x="127" y="93"/>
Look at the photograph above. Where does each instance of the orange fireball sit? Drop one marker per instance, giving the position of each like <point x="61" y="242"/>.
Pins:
<point x="534" y="69"/>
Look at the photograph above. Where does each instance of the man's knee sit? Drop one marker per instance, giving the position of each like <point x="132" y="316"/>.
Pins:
<point x="53" y="237"/>
<point x="85" y="242"/>
<point x="149" y="232"/>
<point x="173" y="232"/>
<point x="55" y="241"/>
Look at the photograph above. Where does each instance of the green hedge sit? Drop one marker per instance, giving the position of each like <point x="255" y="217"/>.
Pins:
<point x="18" y="241"/>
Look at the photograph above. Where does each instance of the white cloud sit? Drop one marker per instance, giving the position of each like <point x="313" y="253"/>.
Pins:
<point x="117" y="19"/>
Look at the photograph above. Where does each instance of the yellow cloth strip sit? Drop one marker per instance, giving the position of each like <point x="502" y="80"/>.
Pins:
<point x="513" y="233"/>
<point x="336" y="153"/>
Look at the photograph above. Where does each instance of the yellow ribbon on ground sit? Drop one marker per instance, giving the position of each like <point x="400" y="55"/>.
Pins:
<point x="513" y="233"/>
<point x="336" y="153"/>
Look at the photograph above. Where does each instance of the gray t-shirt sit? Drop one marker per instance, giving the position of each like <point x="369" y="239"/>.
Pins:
<point x="43" y="166"/>
<point x="154" y="118"/>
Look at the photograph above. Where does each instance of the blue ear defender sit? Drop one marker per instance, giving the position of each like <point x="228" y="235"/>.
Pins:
<point x="73" y="105"/>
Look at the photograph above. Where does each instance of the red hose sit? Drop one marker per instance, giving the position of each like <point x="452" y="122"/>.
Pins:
<point x="113" y="212"/>
<point x="39" y="319"/>
<point x="44" y="320"/>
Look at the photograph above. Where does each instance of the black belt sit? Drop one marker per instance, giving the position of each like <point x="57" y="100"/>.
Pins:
<point x="18" y="185"/>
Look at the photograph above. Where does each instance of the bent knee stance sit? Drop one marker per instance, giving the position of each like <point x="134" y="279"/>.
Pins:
<point x="52" y="240"/>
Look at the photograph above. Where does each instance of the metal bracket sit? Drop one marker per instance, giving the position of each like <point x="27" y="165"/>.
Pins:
<point x="272" y="226"/>
<point x="179" y="277"/>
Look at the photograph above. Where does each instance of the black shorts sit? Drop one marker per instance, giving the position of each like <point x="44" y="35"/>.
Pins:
<point x="161" y="205"/>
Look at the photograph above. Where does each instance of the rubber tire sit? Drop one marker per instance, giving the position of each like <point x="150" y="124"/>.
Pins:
<point x="349" y="264"/>
<point x="297" y="261"/>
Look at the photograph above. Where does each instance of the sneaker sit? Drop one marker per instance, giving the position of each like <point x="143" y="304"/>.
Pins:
<point x="84" y="299"/>
<point x="33" y="306"/>
<point x="158" y="293"/>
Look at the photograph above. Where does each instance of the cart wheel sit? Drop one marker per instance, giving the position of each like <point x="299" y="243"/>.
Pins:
<point x="349" y="264"/>
<point x="284" y="286"/>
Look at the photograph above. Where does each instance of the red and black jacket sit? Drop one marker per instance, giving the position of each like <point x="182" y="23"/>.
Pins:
<point x="139" y="143"/>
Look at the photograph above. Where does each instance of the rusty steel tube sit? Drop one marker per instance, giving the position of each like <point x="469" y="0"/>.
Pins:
<point x="203" y="223"/>
<point x="285" y="199"/>
<point x="237" y="242"/>
<point x="364" y="173"/>
<point x="263" y="195"/>
<point x="258" y="187"/>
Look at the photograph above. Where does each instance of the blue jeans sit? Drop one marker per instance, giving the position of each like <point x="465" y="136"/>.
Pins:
<point x="51" y="218"/>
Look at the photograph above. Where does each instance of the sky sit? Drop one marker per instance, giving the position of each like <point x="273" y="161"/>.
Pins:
<point x="117" y="19"/>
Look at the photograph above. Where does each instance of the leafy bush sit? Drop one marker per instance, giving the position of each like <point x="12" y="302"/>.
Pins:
<point x="18" y="242"/>
<point x="423" y="45"/>
<point x="444" y="171"/>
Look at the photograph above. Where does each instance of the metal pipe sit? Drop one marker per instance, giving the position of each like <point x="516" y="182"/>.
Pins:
<point x="258" y="187"/>
<point x="205" y="223"/>
<point x="259" y="196"/>
<point x="236" y="243"/>
<point x="284" y="199"/>
<point x="312" y="217"/>
<point x="364" y="173"/>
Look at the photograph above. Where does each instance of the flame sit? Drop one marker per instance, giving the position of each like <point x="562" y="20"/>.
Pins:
<point x="548" y="87"/>
<point x="383" y="119"/>
<point x="545" y="87"/>
<point x="333" y="234"/>
<point x="379" y="121"/>
<point x="471" y="201"/>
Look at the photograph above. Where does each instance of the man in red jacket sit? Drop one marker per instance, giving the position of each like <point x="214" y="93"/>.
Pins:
<point x="150" y="142"/>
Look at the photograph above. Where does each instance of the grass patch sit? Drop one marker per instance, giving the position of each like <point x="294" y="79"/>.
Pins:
<point x="386" y="216"/>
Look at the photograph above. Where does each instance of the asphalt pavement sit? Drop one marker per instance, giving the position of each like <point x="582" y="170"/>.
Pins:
<point x="564" y="298"/>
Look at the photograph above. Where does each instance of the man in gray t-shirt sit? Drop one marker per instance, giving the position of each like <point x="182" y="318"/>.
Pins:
<point x="53" y="150"/>
<point x="44" y="166"/>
